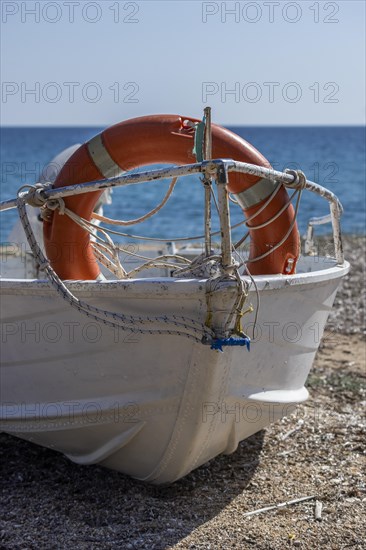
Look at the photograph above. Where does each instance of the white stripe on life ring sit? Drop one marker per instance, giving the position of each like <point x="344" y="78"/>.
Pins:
<point x="102" y="159"/>
<point x="257" y="193"/>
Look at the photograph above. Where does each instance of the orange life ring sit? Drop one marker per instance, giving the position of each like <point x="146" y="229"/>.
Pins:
<point x="165" y="139"/>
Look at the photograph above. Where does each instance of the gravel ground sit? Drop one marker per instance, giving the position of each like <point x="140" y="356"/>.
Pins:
<point x="49" y="503"/>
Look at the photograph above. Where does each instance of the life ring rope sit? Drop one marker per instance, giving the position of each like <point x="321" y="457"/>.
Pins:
<point x="143" y="218"/>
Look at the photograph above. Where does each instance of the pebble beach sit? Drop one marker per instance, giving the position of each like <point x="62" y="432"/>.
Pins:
<point x="250" y="499"/>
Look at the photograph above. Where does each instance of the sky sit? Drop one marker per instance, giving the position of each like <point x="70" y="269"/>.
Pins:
<point x="84" y="63"/>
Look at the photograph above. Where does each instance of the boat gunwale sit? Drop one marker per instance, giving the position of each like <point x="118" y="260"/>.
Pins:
<point x="181" y="286"/>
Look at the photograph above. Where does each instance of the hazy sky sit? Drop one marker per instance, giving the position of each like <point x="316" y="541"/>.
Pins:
<point x="255" y="63"/>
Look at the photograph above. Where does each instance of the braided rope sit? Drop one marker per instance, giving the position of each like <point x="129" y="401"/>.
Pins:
<point x="114" y="268"/>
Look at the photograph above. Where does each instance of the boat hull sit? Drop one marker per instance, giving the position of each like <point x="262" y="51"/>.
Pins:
<point x="154" y="406"/>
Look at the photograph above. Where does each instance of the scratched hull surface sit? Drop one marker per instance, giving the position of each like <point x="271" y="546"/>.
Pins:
<point x="155" y="406"/>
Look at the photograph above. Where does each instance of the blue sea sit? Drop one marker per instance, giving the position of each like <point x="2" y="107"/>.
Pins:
<point x="331" y="156"/>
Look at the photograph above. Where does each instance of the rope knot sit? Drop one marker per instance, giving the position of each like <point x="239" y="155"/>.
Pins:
<point x="299" y="179"/>
<point x="56" y="204"/>
<point x="34" y="197"/>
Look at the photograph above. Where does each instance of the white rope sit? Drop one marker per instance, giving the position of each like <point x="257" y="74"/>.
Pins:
<point x="259" y="211"/>
<point x="142" y="218"/>
<point x="115" y="268"/>
<point x="107" y="244"/>
<point x="158" y="261"/>
<point x="194" y="265"/>
<point x="288" y="232"/>
<point x="181" y="259"/>
<point x="110" y="247"/>
<point x="198" y="237"/>
<point x="237" y="308"/>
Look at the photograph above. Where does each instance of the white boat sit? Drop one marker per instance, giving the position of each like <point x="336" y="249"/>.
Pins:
<point x="128" y="372"/>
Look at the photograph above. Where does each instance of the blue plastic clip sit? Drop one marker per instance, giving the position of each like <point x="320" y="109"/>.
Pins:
<point x="218" y="343"/>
